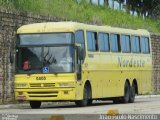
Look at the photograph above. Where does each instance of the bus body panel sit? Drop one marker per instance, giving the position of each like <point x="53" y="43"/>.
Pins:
<point x="46" y="87"/>
<point x="108" y="77"/>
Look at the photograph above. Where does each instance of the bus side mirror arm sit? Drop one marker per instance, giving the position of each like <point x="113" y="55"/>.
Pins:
<point x="78" y="71"/>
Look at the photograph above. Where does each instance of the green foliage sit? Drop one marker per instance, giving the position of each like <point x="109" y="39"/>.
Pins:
<point x="82" y="12"/>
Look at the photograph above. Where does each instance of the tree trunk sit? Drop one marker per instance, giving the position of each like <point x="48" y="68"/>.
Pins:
<point x="98" y="2"/>
<point x="112" y="4"/>
<point x="120" y="4"/>
<point x="90" y="1"/>
<point x="138" y="13"/>
<point x="106" y="4"/>
<point x="133" y="12"/>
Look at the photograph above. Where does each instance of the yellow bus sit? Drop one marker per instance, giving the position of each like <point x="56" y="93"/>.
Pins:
<point x="70" y="61"/>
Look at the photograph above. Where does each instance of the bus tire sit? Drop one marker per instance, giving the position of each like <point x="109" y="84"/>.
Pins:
<point x="132" y="94"/>
<point x="35" y="104"/>
<point x="117" y="100"/>
<point x="90" y="102"/>
<point x="125" y="98"/>
<point x="84" y="102"/>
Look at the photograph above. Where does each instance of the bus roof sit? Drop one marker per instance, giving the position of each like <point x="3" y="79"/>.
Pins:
<point x="50" y="27"/>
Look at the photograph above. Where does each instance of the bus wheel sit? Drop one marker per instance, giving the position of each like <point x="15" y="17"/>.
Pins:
<point x="132" y="94"/>
<point x="117" y="100"/>
<point x="84" y="102"/>
<point x="35" y="104"/>
<point x="90" y="102"/>
<point x="125" y="98"/>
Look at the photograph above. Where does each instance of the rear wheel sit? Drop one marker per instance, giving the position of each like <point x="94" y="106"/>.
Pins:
<point x="117" y="100"/>
<point x="125" y="98"/>
<point x="132" y="94"/>
<point x="86" y="98"/>
<point x="35" y="104"/>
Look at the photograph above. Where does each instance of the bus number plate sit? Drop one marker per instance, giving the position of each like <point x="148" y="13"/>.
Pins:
<point x="41" y="78"/>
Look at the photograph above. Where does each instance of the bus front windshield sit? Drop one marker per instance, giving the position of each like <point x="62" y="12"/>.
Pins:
<point x="40" y="56"/>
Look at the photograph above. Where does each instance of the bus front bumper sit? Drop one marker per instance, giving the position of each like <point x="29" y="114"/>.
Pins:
<point x="57" y="94"/>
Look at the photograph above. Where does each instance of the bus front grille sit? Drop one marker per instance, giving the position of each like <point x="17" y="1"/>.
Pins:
<point x="42" y="85"/>
<point x="43" y="94"/>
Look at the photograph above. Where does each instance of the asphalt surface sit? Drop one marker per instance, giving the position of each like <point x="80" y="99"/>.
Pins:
<point x="143" y="105"/>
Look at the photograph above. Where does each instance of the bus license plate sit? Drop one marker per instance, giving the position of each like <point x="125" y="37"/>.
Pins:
<point x="21" y="98"/>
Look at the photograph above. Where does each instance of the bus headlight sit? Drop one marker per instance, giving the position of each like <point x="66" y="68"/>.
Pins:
<point x="21" y="85"/>
<point x="66" y="84"/>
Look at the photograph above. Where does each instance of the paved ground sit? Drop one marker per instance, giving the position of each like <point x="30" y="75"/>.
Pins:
<point x="142" y="105"/>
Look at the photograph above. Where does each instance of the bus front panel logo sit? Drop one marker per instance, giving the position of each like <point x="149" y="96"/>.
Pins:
<point x="45" y="69"/>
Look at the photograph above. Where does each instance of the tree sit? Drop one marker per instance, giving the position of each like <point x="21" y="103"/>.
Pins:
<point x="112" y="4"/>
<point x="106" y="3"/>
<point x="90" y="1"/>
<point x="155" y="12"/>
<point x="120" y="3"/>
<point x="128" y="6"/>
<point x="145" y="8"/>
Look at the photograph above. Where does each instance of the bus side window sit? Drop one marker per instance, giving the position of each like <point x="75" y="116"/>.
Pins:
<point x="103" y="42"/>
<point x="125" y="44"/>
<point x="92" y="42"/>
<point x="79" y="38"/>
<point x="135" y="44"/>
<point x="115" y="43"/>
<point x="145" y="45"/>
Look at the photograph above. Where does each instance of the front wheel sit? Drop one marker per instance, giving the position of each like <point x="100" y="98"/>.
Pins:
<point x="84" y="102"/>
<point x="35" y="104"/>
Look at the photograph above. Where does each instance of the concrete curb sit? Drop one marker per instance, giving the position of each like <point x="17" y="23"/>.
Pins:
<point x="22" y="105"/>
<point x="13" y="106"/>
<point x="147" y="96"/>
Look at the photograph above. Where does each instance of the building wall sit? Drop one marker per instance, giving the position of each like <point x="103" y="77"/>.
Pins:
<point x="156" y="61"/>
<point x="10" y="21"/>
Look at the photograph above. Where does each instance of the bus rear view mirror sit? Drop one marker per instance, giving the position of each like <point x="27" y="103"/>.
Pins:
<point x="80" y="53"/>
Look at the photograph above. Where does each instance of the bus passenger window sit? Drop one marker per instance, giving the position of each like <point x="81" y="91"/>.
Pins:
<point x="115" y="43"/>
<point x="135" y="44"/>
<point x="103" y="42"/>
<point x="125" y="43"/>
<point x="92" y="41"/>
<point x="145" y="45"/>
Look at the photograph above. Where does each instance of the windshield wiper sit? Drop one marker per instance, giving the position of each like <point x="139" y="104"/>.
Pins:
<point x="50" y="60"/>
